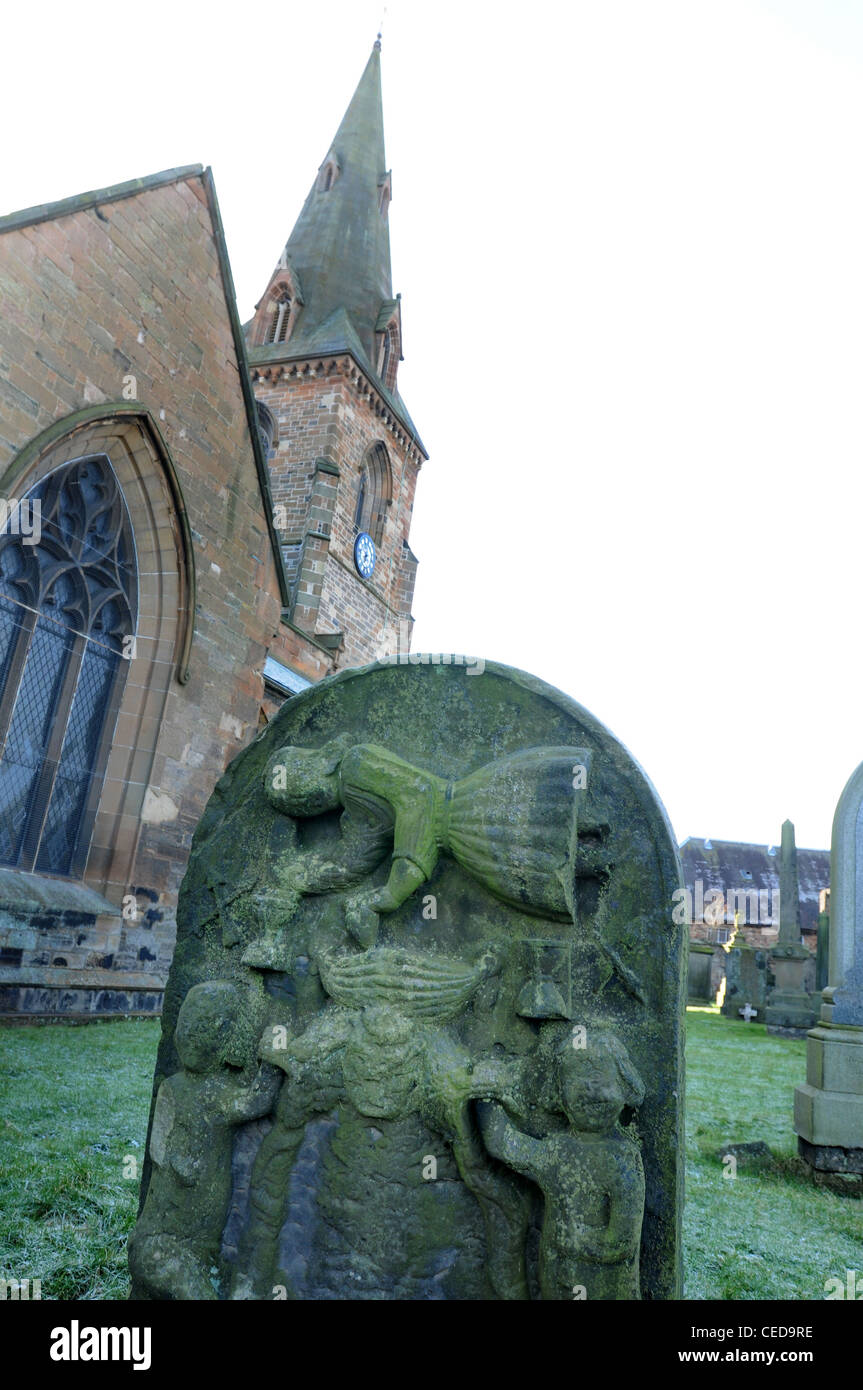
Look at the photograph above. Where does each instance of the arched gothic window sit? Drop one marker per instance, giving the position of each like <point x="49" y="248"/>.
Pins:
<point x="280" y="319"/>
<point x="389" y="356"/>
<point x="374" y="493"/>
<point x="266" y="428"/>
<point x="327" y="175"/>
<point x="68" y="614"/>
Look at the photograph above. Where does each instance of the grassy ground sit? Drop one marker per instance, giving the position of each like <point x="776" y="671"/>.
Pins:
<point x="73" y="1116"/>
<point x="768" y="1232"/>
<point x="73" y="1105"/>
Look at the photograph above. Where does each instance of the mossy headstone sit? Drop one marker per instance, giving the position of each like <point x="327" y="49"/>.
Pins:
<point x="423" y="1030"/>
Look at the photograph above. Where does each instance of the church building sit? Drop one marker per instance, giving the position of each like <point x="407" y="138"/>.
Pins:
<point x="197" y="521"/>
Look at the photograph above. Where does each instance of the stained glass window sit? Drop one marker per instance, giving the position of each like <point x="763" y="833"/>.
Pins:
<point x="68" y="612"/>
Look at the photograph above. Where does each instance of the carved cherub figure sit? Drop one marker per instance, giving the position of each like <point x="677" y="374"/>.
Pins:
<point x="175" y="1244"/>
<point x="591" y="1175"/>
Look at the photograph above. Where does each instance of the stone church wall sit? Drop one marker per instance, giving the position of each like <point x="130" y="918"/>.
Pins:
<point x="122" y="304"/>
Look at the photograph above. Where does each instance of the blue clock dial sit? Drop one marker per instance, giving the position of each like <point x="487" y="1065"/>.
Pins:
<point x="364" y="554"/>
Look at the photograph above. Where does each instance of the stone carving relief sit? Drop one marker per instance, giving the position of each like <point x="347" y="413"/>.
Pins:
<point x="411" y="1045"/>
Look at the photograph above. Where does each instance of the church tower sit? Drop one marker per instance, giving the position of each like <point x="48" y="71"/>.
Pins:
<point x="324" y="350"/>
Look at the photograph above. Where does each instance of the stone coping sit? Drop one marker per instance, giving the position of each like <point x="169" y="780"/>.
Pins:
<point x="44" y="977"/>
<point x="22" y="892"/>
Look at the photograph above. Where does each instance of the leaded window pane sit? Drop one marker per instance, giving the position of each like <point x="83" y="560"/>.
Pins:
<point x="66" y="605"/>
<point x="10" y="626"/>
<point x="77" y="760"/>
<point x="29" y="731"/>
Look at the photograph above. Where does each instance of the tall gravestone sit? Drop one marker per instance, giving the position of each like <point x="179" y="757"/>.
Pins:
<point x="828" y="1109"/>
<point x="422" y="1033"/>
<point x="791" y="1004"/>
<point x="700" y="989"/>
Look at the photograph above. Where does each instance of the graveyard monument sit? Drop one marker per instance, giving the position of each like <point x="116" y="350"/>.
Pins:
<point x="828" y="1108"/>
<point x="747" y="977"/>
<point x="700" y="990"/>
<point x="423" y="1029"/>
<point x="791" y="1002"/>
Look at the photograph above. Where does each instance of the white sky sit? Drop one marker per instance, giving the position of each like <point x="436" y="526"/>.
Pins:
<point x="628" y="238"/>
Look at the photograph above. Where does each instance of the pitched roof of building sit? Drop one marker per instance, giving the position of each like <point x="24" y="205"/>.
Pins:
<point x="734" y="866"/>
<point x="95" y="198"/>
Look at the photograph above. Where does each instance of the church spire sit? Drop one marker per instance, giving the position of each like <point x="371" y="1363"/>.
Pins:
<point x="339" y="249"/>
<point x="342" y="450"/>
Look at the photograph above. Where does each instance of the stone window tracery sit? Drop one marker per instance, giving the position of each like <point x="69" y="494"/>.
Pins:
<point x="68" y="615"/>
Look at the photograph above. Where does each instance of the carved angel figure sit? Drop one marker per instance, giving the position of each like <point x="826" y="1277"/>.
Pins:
<point x="512" y="825"/>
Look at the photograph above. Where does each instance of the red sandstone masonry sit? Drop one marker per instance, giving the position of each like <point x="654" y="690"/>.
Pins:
<point x="326" y="415"/>
<point x="134" y="290"/>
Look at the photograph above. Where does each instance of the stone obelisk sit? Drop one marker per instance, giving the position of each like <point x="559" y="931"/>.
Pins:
<point x="791" y="1008"/>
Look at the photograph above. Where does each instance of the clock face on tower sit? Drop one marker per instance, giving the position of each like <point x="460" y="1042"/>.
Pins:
<point x="364" y="554"/>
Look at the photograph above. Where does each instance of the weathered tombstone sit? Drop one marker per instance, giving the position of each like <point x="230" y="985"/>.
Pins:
<point x="791" y="1004"/>
<point x="828" y="1109"/>
<point x="822" y="953"/>
<point x="700" y="973"/>
<point x="747" y="975"/>
<point x="422" y="1035"/>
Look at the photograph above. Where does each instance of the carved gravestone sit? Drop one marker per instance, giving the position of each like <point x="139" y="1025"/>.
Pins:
<point x="422" y="1033"/>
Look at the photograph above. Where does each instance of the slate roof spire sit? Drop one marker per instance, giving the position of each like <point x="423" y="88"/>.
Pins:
<point x="340" y="245"/>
